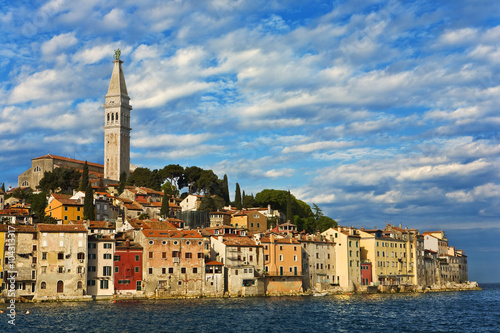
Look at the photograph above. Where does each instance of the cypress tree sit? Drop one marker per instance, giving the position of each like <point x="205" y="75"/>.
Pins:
<point x="3" y="187"/>
<point x="225" y="189"/>
<point x="88" y="204"/>
<point x="164" y="211"/>
<point x="243" y="201"/>
<point x="123" y="180"/>
<point x="289" y="214"/>
<point x="237" y="197"/>
<point x="85" y="178"/>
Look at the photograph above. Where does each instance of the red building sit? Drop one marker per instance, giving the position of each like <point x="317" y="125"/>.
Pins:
<point x="128" y="267"/>
<point x="366" y="273"/>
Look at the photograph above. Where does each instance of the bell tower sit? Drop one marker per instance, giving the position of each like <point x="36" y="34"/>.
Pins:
<point x="117" y="124"/>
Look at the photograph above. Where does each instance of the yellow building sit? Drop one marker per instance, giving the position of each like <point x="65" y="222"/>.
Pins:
<point x="63" y="208"/>
<point x="3" y="235"/>
<point x="251" y="220"/>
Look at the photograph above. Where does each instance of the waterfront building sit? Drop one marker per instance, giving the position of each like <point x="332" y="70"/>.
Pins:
<point x="282" y="264"/>
<point x="243" y="261"/>
<point x="101" y="268"/>
<point x="128" y="267"/>
<point x="173" y="262"/>
<point x="23" y="254"/>
<point x="3" y="245"/>
<point x="61" y="270"/>
<point x="214" y="279"/>
<point x="318" y="262"/>
<point x="431" y="267"/>
<point x="117" y="125"/>
<point x="366" y="273"/>
<point x="347" y="256"/>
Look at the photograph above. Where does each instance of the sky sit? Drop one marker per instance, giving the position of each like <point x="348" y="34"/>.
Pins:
<point x="377" y="111"/>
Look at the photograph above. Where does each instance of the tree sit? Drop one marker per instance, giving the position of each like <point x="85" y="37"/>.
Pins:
<point x="174" y="173"/>
<point x="289" y="208"/>
<point x="325" y="223"/>
<point x="317" y="211"/>
<point x="192" y="174"/>
<point x="208" y="182"/>
<point x="144" y="216"/>
<point x="248" y="200"/>
<point x="207" y="204"/>
<point x="3" y="187"/>
<point x="38" y="205"/>
<point x="225" y="189"/>
<point x="165" y="209"/>
<point x="88" y="204"/>
<point x="237" y="197"/>
<point x="85" y="178"/>
<point x="146" y="178"/>
<point x="60" y="180"/>
<point x="123" y="181"/>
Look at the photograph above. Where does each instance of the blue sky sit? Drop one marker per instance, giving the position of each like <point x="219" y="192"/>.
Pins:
<point x="377" y="111"/>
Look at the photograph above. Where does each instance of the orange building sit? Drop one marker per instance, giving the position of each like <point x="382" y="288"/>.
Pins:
<point x="251" y="220"/>
<point x="283" y="265"/>
<point x="61" y="207"/>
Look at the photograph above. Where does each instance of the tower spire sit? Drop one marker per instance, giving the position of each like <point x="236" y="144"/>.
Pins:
<point x="117" y="124"/>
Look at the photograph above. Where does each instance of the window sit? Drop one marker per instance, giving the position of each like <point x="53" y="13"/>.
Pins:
<point x="43" y="285"/>
<point x="195" y="270"/>
<point x="60" y="269"/>
<point x="295" y="258"/>
<point x="183" y="270"/>
<point x="92" y="256"/>
<point x="170" y="270"/>
<point x="136" y="269"/>
<point x="106" y="271"/>
<point x="108" y="245"/>
<point x="150" y="255"/>
<point x="281" y="257"/>
<point x="281" y="247"/>
<point x="44" y="255"/>
<point x="91" y="268"/>
<point x="189" y="255"/>
<point x="137" y="258"/>
<point x="92" y="245"/>
<point x="104" y="284"/>
<point x="176" y="254"/>
<point x="66" y="208"/>
<point x="266" y="257"/>
<point x="80" y="255"/>
<point x="90" y="283"/>
<point x="150" y="270"/>
<point x="116" y="258"/>
<point x="60" y="256"/>
<point x="250" y="258"/>
<point x="44" y="269"/>
<point x="117" y="269"/>
<point x="77" y="209"/>
<point x="200" y="255"/>
<point x="107" y="256"/>
<point x="164" y="270"/>
<point x="33" y="260"/>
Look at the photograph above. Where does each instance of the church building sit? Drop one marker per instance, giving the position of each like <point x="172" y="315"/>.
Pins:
<point x="116" y="139"/>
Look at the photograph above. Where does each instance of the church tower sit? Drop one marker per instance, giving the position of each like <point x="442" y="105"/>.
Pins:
<point x="117" y="124"/>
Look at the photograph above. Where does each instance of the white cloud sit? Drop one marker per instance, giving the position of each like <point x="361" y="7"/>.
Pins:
<point x="58" y="43"/>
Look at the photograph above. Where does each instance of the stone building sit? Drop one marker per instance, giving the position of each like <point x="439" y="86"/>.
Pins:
<point x="318" y="262"/>
<point x="117" y="125"/>
<point x="39" y="165"/>
<point x="100" y="275"/>
<point x="62" y="260"/>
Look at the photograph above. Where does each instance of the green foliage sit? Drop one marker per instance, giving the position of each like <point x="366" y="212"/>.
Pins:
<point x="219" y="202"/>
<point x="207" y="204"/>
<point x="145" y="178"/>
<point x="174" y="173"/>
<point x="85" y="178"/>
<point x="208" y="183"/>
<point x="289" y="207"/>
<point x="324" y="223"/>
<point x="38" y="205"/>
<point x="165" y="209"/>
<point x="88" y="204"/>
<point x="123" y="181"/>
<point x="3" y="187"/>
<point x="23" y="195"/>
<point x="192" y="174"/>
<point x="143" y="216"/>
<point x="60" y="180"/>
<point x="248" y="201"/>
<point x="225" y="190"/>
<point x="237" y="197"/>
<point x="275" y="198"/>
<point x="170" y="189"/>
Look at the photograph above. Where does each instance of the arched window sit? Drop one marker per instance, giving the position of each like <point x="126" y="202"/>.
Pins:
<point x="43" y="285"/>
<point x="25" y="184"/>
<point x="37" y="169"/>
<point x="117" y="116"/>
<point x="112" y="117"/>
<point x="79" y="285"/>
<point x="108" y="117"/>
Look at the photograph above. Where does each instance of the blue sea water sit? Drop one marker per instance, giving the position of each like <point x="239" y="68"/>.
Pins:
<point x="461" y="311"/>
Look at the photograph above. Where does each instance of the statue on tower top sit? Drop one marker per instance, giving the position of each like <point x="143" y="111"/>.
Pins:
<point x="117" y="54"/>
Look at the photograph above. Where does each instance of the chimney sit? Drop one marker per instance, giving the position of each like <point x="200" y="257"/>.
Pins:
<point x="127" y="242"/>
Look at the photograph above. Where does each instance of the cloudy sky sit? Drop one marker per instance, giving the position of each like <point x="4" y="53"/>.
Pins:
<point x="377" y="111"/>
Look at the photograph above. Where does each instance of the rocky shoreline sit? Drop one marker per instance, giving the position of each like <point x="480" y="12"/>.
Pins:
<point x="331" y="291"/>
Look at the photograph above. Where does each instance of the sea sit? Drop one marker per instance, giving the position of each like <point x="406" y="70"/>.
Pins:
<point x="453" y="311"/>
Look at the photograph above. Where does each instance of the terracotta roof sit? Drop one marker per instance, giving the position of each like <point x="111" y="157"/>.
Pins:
<point x="67" y="160"/>
<point x="3" y="228"/>
<point x="171" y="233"/>
<point x="61" y="228"/>
<point x="238" y="241"/>
<point x="280" y="240"/>
<point x="214" y="263"/>
<point x="65" y="199"/>
<point x="24" y="228"/>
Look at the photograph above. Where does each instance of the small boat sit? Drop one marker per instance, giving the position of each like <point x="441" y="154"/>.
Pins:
<point x="320" y="294"/>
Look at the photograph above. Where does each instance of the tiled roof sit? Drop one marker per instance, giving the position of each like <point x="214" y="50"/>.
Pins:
<point x="238" y="241"/>
<point x="61" y="228"/>
<point x="25" y="228"/>
<point x="65" y="199"/>
<point x="214" y="263"/>
<point x="171" y="233"/>
<point x="280" y="240"/>
<point x="67" y="160"/>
